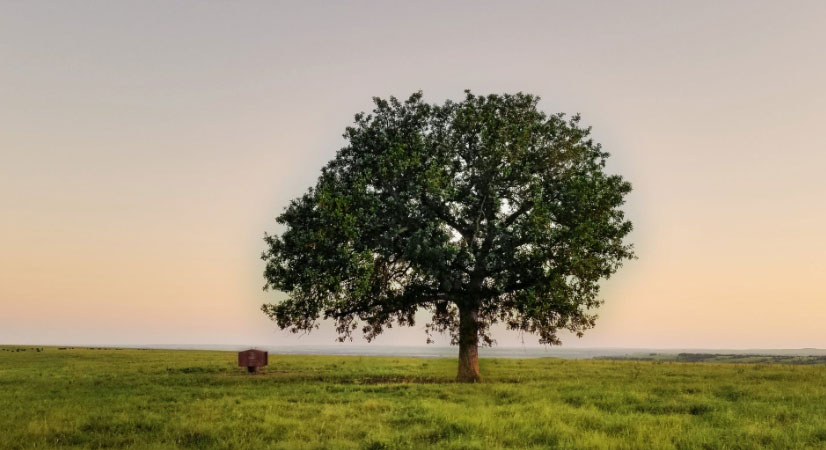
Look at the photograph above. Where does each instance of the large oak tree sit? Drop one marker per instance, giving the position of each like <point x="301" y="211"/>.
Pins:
<point x="480" y="211"/>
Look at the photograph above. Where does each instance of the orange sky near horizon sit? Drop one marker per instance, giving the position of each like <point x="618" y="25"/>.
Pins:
<point x="146" y="147"/>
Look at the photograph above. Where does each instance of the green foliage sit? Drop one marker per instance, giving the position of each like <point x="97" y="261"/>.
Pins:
<point x="485" y="205"/>
<point x="83" y="398"/>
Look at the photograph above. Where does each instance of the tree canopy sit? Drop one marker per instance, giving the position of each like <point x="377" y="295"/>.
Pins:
<point x="479" y="211"/>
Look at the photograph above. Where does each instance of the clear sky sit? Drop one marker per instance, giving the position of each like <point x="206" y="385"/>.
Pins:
<point x="146" y="146"/>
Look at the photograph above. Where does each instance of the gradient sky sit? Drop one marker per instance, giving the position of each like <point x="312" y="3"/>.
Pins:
<point x="146" y="146"/>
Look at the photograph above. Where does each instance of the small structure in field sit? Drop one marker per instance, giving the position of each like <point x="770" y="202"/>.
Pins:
<point x="252" y="359"/>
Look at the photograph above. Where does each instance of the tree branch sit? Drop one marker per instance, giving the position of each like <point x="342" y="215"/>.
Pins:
<point x="443" y="215"/>
<point x="511" y="219"/>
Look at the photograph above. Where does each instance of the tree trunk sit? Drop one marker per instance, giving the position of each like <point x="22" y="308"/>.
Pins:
<point x="468" y="345"/>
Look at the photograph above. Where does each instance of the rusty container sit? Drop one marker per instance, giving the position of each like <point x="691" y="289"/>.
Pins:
<point x="252" y="359"/>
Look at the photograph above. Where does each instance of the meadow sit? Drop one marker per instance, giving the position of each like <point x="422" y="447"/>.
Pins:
<point x="128" y="398"/>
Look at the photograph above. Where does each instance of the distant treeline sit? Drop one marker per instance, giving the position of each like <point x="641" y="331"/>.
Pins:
<point x="721" y="358"/>
<point x="43" y="349"/>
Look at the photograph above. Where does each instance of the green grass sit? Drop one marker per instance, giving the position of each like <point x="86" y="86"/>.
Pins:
<point x="196" y="399"/>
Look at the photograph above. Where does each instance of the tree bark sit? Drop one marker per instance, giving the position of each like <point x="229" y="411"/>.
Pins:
<point x="468" y="345"/>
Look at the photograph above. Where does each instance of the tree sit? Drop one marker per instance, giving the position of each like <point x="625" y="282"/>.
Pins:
<point x="480" y="211"/>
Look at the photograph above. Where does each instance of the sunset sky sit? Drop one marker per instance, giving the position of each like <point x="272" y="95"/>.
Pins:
<point x="146" y="146"/>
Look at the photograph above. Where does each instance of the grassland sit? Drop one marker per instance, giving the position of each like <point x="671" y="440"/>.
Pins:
<point x="195" y="399"/>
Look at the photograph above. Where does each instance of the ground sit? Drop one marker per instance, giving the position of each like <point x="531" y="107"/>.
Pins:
<point x="93" y="398"/>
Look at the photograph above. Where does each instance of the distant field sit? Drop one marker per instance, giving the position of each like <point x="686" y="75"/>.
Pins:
<point x="198" y="399"/>
<point x="750" y="358"/>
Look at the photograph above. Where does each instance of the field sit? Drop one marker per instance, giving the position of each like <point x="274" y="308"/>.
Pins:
<point x="95" y="398"/>
<point x="721" y="358"/>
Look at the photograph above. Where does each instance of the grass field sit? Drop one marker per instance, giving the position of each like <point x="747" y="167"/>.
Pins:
<point x="196" y="399"/>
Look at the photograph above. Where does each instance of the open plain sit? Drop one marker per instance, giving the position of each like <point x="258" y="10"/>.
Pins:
<point x="129" y="398"/>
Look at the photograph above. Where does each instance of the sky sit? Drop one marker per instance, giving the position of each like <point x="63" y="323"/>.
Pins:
<point x="146" y="146"/>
